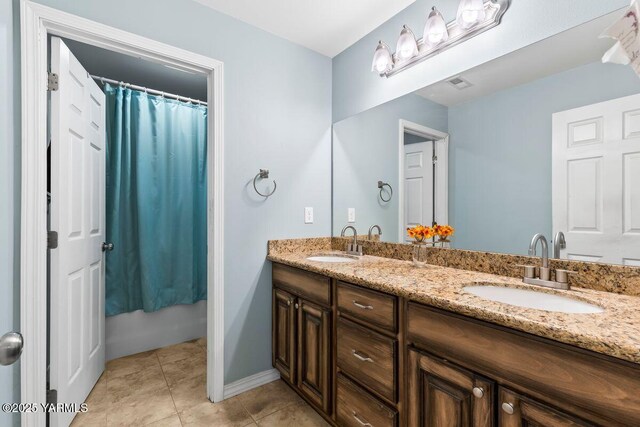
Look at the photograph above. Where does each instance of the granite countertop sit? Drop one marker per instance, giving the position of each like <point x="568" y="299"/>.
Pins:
<point x="614" y="332"/>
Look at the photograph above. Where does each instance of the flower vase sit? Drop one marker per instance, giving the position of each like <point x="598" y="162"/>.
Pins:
<point x="444" y="243"/>
<point x="419" y="257"/>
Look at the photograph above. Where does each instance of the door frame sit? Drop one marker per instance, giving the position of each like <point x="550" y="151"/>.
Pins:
<point x="37" y="22"/>
<point x="441" y="184"/>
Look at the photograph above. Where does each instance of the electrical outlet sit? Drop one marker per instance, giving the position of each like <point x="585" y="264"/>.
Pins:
<point x="308" y="215"/>
<point x="351" y="215"/>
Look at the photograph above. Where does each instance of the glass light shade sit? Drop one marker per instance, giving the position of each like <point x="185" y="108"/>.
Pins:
<point x="470" y="12"/>
<point x="407" y="46"/>
<point x="435" y="30"/>
<point x="382" y="60"/>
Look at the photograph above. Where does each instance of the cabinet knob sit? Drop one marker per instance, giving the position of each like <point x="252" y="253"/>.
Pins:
<point x="478" y="392"/>
<point x="288" y="302"/>
<point x="507" y="408"/>
<point x="296" y="306"/>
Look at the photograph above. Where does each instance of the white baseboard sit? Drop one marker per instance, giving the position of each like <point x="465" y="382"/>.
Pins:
<point x="250" y="382"/>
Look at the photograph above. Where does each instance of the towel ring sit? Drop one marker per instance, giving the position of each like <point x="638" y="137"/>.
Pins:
<point x="381" y="186"/>
<point x="264" y="173"/>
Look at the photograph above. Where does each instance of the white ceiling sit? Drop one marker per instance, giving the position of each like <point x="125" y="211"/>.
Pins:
<point x="326" y="26"/>
<point x="569" y="49"/>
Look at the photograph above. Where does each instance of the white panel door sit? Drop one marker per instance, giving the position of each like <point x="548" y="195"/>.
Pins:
<point x="596" y="181"/>
<point x="77" y="353"/>
<point x="418" y="185"/>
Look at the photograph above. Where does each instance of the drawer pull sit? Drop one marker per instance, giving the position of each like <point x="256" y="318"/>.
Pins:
<point x="362" y="423"/>
<point x="478" y="392"/>
<point x="363" y="358"/>
<point x="362" y="306"/>
<point x="508" y="408"/>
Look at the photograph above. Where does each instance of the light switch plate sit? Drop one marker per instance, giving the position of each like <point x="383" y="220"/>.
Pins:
<point x="308" y="215"/>
<point x="351" y="215"/>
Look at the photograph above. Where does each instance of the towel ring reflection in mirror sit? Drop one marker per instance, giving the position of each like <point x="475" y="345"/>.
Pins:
<point x="381" y="186"/>
<point x="263" y="174"/>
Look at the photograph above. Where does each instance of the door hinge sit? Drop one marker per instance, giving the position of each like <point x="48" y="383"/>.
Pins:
<point x="52" y="82"/>
<point x="434" y="159"/>
<point x="52" y="397"/>
<point x="52" y="239"/>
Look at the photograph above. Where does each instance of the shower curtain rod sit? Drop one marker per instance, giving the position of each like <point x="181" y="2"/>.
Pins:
<point x="151" y="91"/>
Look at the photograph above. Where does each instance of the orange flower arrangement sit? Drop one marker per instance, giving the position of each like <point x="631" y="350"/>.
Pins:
<point x="420" y="233"/>
<point x="443" y="231"/>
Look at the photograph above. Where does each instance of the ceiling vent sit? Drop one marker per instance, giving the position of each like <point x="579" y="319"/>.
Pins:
<point x="459" y="83"/>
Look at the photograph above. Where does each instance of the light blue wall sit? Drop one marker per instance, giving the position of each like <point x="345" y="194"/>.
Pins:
<point x="365" y="150"/>
<point x="356" y="88"/>
<point x="500" y="155"/>
<point x="9" y="198"/>
<point x="277" y="116"/>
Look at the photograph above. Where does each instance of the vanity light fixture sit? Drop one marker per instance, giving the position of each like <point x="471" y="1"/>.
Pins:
<point x="470" y="13"/>
<point x="382" y="60"/>
<point x="435" y="30"/>
<point x="407" y="46"/>
<point x="473" y="17"/>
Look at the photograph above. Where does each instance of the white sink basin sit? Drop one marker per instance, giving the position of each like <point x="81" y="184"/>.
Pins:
<point x="331" y="258"/>
<point x="533" y="299"/>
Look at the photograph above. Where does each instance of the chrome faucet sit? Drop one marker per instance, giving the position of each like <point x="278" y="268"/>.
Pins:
<point x="371" y="231"/>
<point x="544" y="272"/>
<point x="559" y="242"/>
<point x="352" y="248"/>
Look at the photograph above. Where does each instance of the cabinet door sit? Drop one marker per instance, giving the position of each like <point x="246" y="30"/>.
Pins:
<point x="442" y="394"/>
<point x="284" y="334"/>
<point x="314" y="335"/>
<point x="520" y="411"/>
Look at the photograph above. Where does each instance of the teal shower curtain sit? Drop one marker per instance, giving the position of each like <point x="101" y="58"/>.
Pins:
<point x="156" y="201"/>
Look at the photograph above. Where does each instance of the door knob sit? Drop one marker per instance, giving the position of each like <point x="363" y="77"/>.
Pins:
<point x="478" y="392"/>
<point x="11" y="345"/>
<point x="508" y="408"/>
<point x="107" y="247"/>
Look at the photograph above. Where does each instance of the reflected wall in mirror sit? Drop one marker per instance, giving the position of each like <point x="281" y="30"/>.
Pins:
<point x="543" y="140"/>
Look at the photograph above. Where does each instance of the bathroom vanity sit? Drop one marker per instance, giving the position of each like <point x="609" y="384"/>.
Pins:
<point x="378" y="342"/>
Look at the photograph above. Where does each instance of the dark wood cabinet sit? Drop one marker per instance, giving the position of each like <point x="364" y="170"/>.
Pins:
<point x="284" y="334"/>
<point x="441" y="394"/>
<point x="302" y="334"/>
<point x="520" y="411"/>
<point x="314" y="357"/>
<point x="365" y="358"/>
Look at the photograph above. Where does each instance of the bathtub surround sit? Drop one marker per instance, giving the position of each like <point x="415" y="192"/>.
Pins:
<point x="623" y="280"/>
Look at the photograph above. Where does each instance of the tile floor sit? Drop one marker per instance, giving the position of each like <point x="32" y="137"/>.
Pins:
<point x="166" y="388"/>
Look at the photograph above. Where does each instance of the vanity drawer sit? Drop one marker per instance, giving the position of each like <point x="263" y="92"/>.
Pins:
<point x="368" y="356"/>
<point x="355" y="407"/>
<point x="373" y="307"/>
<point x="311" y="286"/>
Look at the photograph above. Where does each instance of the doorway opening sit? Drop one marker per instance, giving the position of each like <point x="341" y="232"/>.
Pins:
<point x="38" y="23"/>
<point x="423" y="166"/>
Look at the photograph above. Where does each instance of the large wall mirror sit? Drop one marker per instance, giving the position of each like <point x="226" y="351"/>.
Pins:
<point x="543" y="140"/>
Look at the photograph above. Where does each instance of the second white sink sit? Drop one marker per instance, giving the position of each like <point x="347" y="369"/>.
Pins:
<point x="331" y="258"/>
<point x="533" y="299"/>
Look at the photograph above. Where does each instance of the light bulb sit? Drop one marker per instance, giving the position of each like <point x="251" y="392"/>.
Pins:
<point x="382" y="60"/>
<point x="470" y="12"/>
<point x="435" y="30"/>
<point x="407" y="46"/>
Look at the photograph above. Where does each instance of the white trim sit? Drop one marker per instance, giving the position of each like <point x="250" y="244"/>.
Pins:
<point x="251" y="382"/>
<point x="442" y="171"/>
<point x="37" y="22"/>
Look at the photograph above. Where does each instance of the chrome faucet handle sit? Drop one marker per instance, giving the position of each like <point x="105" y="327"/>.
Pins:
<point x="562" y="276"/>
<point x="529" y="270"/>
